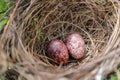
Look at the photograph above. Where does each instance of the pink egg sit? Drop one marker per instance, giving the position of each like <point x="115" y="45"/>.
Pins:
<point x="76" y="45"/>
<point x="57" y="51"/>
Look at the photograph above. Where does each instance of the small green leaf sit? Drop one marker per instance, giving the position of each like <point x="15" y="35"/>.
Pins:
<point x="2" y="23"/>
<point x="3" y="5"/>
<point x="113" y="77"/>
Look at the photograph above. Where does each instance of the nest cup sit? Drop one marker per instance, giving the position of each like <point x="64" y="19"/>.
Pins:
<point x="37" y="22"/>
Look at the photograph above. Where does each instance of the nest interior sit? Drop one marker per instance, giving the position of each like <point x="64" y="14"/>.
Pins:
<point x="56" y="19"/>
<point x="37" y="22"/>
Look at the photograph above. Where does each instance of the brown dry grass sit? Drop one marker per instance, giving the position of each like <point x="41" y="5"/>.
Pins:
<point x="34" y="24"/>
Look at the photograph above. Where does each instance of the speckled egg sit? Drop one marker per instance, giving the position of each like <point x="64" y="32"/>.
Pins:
<point x="57" y="51"/>
<point x="76" y="45"/>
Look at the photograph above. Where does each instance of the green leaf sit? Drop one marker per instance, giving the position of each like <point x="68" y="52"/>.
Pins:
<point x="2" y="23"/>
<point x="113" y="78"/>
<point x="3" y="5"/>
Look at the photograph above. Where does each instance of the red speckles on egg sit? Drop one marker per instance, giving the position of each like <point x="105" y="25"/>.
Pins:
<point x="75" y="45"/>
<point x="57" y="51"/>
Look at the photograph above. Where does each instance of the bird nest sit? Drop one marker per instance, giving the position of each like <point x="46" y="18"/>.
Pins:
<point x="33" y="23"/>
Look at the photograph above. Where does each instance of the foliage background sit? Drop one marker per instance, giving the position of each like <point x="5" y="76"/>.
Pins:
<point x="5" y="7"/>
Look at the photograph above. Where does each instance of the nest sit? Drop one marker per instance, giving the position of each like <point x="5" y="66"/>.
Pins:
<point x="34" y="23"/>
